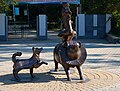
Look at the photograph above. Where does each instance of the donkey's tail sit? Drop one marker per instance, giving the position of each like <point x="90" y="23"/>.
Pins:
<point x="14" y="56"/>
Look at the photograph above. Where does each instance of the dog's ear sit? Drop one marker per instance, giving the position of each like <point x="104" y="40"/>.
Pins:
<point x="33" y="49"/>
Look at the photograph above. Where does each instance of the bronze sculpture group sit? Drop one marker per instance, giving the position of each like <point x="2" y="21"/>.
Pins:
<point x="69" y="53"/>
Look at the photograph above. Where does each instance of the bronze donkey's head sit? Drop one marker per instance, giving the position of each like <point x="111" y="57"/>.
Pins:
<point x="73" y="50"/>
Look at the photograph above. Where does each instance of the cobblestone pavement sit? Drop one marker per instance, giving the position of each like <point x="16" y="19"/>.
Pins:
<point x="101" y="71"/>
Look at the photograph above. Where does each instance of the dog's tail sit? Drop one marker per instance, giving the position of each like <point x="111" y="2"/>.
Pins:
<point x="14" y="56"/>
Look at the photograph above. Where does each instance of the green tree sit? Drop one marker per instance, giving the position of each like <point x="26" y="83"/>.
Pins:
<point x="4" y="5"/>
<point x="104" y="7"/>
<point x="100" y="6"/>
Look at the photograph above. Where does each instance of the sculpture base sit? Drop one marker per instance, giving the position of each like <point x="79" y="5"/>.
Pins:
<point x="75" y="80"/>
<point x="61" y="71"/>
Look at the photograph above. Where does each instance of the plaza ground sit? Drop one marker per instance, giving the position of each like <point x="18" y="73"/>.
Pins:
<point x="101" y="71"/>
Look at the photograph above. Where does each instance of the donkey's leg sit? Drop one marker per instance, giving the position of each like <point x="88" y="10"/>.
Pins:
<point x="56" y="65"/>
<point x="31" y="72"/>
<point x="67" y="71"/>
<point x="80" y="72"/>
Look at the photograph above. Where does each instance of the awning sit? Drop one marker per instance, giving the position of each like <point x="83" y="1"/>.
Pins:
<point x="48" y="1"/>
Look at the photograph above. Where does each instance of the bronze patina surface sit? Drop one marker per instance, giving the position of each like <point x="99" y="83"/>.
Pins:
<point x="33" y="62"/>
<point x="69" y="53"/>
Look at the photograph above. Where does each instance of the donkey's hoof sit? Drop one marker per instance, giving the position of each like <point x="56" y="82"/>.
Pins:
<point x="68" y="79"/>
<point x="56" y="70"/>
<point x="81" y="78"/>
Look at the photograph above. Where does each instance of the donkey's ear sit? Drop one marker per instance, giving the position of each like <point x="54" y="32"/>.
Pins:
<point x="33" y="49"/>
<point x="65" y="44"/>
<point x="79" y="44"/>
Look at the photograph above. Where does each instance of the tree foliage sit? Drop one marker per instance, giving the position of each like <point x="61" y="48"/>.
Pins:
<point x="104" y="7"/>
<point x="4" y="5"/>
<point x="100" y="6"/>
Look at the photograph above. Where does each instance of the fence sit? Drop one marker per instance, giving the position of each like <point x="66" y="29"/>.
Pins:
<point x="93" y="26"/>
<point x="87" y="26"/>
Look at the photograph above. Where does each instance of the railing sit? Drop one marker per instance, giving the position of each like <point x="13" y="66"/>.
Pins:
<point x="20" y="31"/>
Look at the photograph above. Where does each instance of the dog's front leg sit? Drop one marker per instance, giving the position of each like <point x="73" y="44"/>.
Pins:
<point x="31" y="72"/>
<point x="44" y="63"/>
<point x="39" y="64"/>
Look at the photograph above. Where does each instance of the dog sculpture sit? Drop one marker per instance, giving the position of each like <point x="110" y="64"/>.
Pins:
<point x="33" y="62"/>
<point x="70" y="55"/>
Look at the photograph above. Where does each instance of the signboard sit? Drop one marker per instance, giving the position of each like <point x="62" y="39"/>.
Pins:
<point x="50" y="1"/>
<point x="17" y="11"/>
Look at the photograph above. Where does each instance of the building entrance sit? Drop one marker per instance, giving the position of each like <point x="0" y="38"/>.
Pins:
<point x="23" y="19"/>
<point x="22" y="22"/>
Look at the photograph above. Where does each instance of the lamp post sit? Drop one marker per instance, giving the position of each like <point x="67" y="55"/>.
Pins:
<point x="14" y="19"/>
<point x="28" y="15"/>
<point x="79" y="8"/>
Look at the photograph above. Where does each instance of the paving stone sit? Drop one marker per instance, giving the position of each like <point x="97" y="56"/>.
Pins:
<point x="101" y="70"/>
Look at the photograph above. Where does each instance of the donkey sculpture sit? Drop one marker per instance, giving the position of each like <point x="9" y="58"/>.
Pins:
<point x="69" y="53"/>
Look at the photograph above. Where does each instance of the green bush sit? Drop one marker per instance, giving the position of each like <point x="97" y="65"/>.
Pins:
<point x="5" y="5"/>
<point x="115" y="24"/>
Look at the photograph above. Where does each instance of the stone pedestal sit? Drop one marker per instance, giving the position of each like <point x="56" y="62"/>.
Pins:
<point x="42" y="27"/>
<point x="3" y="27"/>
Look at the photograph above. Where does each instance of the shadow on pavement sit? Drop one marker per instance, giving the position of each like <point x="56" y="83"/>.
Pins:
<point x="9" y="79"/>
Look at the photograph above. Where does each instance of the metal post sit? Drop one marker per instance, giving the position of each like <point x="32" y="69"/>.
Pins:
<point x="79" y="9"/>
<point x="28" y="15"/>
<point x="14" y="18"/>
